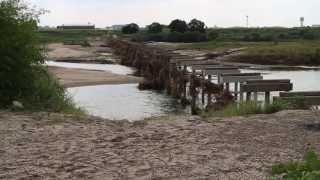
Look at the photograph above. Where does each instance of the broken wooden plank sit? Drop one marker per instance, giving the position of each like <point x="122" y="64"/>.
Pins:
<point x="301" y="93"/>
<point x="265" y="87"/>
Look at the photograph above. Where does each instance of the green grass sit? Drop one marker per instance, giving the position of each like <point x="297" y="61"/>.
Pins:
<point x="298" y="52"/>
<point x="286" y="53"/>
<point x="248" y="108"/>
<point x="308" y="169"/>
<point x="55" y="36"/>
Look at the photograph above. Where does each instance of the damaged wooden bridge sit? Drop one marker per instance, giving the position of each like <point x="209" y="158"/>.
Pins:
<point x="199" y="81"/>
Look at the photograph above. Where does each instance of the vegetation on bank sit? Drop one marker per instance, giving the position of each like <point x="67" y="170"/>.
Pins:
<point x="23" y="78"/>
<point x="308" y="169"/>
<point x="248" y="108"/>
<point x="298" y="52"/>
<point x="68" y="36"/>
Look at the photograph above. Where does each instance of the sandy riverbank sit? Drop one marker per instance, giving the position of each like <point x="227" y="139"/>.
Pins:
<point x="76" y="53"/>
<point x="80" y="77"/>
<point x="54" y="146"/>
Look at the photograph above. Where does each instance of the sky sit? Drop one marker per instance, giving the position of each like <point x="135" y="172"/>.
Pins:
<point x="221" y="13"/>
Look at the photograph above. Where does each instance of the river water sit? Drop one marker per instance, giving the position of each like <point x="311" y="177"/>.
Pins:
<point x="125" y="101"/>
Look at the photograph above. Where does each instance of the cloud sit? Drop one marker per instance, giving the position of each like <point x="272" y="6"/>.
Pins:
<point x="213" y="12"/>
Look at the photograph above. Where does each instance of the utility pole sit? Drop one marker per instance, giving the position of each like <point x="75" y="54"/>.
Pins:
<point x="247" y="18"/>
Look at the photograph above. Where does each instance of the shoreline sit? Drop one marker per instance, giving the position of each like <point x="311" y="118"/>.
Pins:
<point x="70" y="77"/>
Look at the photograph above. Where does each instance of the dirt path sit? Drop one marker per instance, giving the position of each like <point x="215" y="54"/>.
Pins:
<point x="79" y="77"/>
<point x="52" y="146"/>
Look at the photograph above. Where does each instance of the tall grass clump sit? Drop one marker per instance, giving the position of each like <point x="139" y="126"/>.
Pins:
<point x="248" y="108"/>
<point x="22" y="76"/>
<point x="308" y="169"/>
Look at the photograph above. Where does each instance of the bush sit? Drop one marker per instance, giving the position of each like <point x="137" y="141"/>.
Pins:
<point x="308" y="169"/>
<point x="197" y="26"/>
<point x="22" y="77"/>
<point x="178" y="26"/>
<point x="130" y="29"/>
<point x="248" y="108"/>
<point x="155" y="28"/>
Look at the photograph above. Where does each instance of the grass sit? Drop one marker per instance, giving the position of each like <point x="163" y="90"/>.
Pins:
<point x="46" y="94"/>
<point x="248" y="108"/>
<point x="287" y="53"/>
<point x="308" y="169"/>
<point x="60" y="36"/>
<point x="297" y="52"/>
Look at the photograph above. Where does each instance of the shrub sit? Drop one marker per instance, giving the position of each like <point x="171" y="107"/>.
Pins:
<point x="187" y="37"/>
<point x="22" y="77"/>
<point x="155" y="28"/>
<point x="248" y="108"/>
<point x="308" y="169"/>
<point x="130" y="29"/>
<point x="178" y="26"/>
<point x="197" y="26"/>
<point x="213" y="35"/>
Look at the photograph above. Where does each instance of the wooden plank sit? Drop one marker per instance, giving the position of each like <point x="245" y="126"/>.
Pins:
<point x="203" y="66"/>
<point x="220" y="71"/>
<point x="308" y="100"/>
<point x="266" y="87"/>
<point x="242" y="74"/>
<point x="301" y="93"/>
<point x="231" y="79"/>
<point x="268" y="81"/>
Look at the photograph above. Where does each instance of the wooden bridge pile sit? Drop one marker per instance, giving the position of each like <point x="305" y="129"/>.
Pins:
<point x="191" y="79"/>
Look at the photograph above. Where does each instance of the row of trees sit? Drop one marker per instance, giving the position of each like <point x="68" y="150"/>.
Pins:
<point x="177" y="25"/>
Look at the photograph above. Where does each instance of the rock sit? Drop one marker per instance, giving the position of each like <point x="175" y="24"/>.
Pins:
<point x="17" y="105"/>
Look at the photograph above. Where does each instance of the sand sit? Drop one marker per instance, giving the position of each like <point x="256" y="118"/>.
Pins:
<point x="80" y="77"/>
<point x="54" y="146"/>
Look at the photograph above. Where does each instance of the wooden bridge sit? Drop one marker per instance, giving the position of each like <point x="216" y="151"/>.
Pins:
<point x="191" y="78"/>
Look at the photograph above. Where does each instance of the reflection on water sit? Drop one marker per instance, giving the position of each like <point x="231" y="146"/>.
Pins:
<point x="118" y="102"/>
<point x="114" y="68"/>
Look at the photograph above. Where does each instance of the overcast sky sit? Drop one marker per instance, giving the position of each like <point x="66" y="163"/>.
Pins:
<point x="223" y="13"/>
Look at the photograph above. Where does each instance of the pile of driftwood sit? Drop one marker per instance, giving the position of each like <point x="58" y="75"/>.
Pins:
<point x="151" y="63"/>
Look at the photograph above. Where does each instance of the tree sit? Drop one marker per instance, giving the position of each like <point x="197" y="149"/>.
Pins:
<point x="178" y="26"/>
<point x="22" y="76"/>
<point x="130" y="28"/>
<point x="155" y="28"/>
<point x="197" y="26"/>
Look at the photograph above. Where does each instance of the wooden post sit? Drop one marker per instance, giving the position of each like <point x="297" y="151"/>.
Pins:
<point x="209" y="92"/>
<point x="267" y="98"/>
<point x="219" y="78"/>
<point x="236" y="90"/>
<point x="248" y="96"/>
<point x="202" y="86"/>
<point x="169" y="86"/>
<point x="184" y="83"/>
<point x="193" y="94"/>
<point x="228" y="87"/>
<point x="255" y="94"/>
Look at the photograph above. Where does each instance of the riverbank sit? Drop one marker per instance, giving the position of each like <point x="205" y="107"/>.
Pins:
<point x="94" y="53"/>
<point x="55" y="146"/>
<point x="81" y="77"/>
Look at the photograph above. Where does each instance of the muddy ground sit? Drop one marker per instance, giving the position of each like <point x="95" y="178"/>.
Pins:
<point x="52" y="146"/>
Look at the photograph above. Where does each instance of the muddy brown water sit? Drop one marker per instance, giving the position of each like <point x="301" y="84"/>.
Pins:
<point x="125" y="101"/>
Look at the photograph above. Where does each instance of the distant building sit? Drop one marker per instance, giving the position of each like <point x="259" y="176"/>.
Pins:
<point x="76" y="26"/>
<point x="116" y="27"/>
